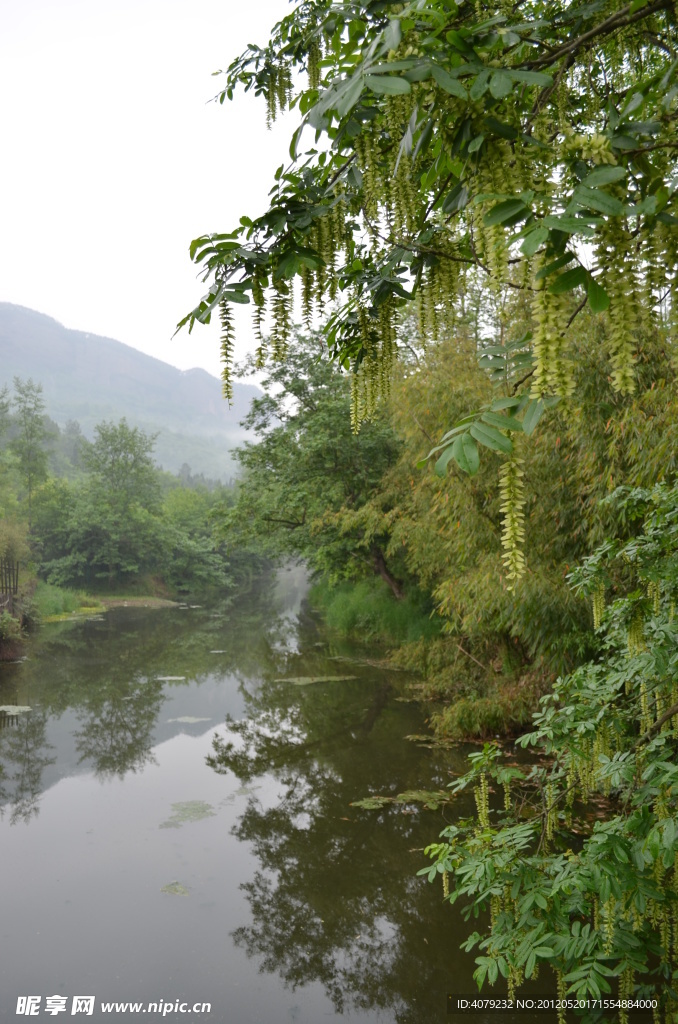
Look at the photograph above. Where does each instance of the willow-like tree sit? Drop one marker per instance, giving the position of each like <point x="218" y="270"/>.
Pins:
<point x="533" y="143"/>
<point x="29" y="444"/>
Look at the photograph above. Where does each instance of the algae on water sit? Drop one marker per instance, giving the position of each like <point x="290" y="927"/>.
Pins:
<point x="189" y="719"/>
<point x="190" y="810"/>
<point x="175" y="889"/>
<point x="309" y="680"/>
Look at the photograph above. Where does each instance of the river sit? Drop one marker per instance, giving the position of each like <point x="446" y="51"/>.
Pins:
<point x="177" y="824"/>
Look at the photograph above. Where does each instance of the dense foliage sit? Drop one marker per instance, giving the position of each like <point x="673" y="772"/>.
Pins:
<point x="100" y="513"/>
<point x="533" y="143"/>
<point x="592" y="895"/>
<point x="305" y="465"/>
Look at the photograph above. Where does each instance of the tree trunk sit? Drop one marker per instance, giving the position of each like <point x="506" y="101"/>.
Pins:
<point x="381" y="568"/>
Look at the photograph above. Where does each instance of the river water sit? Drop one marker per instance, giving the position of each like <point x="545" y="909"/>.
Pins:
<point x="143" y="863"/>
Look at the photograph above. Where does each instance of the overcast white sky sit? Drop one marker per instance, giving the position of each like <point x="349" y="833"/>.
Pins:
<point x="113" y="160"/>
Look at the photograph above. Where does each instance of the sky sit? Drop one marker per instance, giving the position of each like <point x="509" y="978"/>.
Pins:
<point x="114" y="158"/>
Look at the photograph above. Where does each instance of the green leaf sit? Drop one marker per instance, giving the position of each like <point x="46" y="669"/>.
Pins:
<point x="466" y="454"/>
<point x="533" y="414"/>
<point x="479" y="87"/>
<point x="669" y="836"/>
<point x="637" y="99"/>
<point x="441" y="465"/>
<point x="490" y="437"/>
<point x="476" y="143"/>
<point x="529" y="77"/>
<point x="235" y="296"/>
<point x="287" y="266"/>
<point x="530" y="964"/>
<point x="598" y="298"/>
<point x="456" y="200"/>
<point x="449" y="84"/>
<point x="392" y="34"/>
<point x="534" y="241"/>
<point x="388" y="85"/>
<point x="502" y="422"/>
<point x="595" y="199"/>
<point x="623" y="142"/>
<point x="423" y="140"/>
<point x="505" y="403"/>
<point x="550" y="268"/>
<point x="504" y="131"/>
<point x="504" y="211"/>
<point x="500" y="85"/>
<point x="569" y="280"/>
<point x="345" y="100"/>
<point x="570" y="225"/>
<point x="458" y="41"/>
<point x="647" y="205"/>
<point x="604" y="176"/>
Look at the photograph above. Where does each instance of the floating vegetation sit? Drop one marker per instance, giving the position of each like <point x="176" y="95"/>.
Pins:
<point x="432" y="799"/>
<point x="14" y="709"/>
<point x="245" y="790"/>
<point x="189" y="719"/>
<point x="190" y="810"/>
<point x="309" y="680"/>
<point x="175" y="889"/>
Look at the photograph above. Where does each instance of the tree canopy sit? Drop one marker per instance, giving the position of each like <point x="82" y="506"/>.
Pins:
<point x="535" y="142"/>
<point x="306" y="466"/>
<point x="532" y="144"/>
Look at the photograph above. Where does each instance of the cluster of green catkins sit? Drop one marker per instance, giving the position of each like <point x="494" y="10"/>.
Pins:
<point x="635" y="259"/>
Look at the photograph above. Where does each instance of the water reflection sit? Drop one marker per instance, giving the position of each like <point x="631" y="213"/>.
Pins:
<point x="334" y="898"/>
<point x="24" y="755"/>
<point x="117" y="723"/>
<point x="294" y="903"/>
<point x="108" y="681"/>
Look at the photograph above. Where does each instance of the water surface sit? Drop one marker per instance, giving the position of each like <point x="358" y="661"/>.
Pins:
<point x="144" y="863"/>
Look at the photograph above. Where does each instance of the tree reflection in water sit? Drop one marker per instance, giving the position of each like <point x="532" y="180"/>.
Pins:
<point x="335" y="898"/>
<point x="24" y="755"/>
<point x="118" y="719"/>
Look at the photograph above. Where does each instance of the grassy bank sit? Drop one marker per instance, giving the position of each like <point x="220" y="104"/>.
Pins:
<point x="474" y="693"/>
<point x="368" y="611"/>
<point x="53" y="604"/>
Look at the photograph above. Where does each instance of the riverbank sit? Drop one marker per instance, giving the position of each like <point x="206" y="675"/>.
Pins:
<point x="50" y="603"/>
<point x="474" y="691"/>
<point x="148" y="601"/>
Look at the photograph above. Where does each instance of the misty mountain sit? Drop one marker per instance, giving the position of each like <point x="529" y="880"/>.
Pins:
<point x="89" y="379"/>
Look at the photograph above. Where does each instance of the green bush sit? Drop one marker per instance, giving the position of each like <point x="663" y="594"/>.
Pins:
<point x="49" y="600"/>
<point x="10" y="628"/>
<point x="368" y="610"/>
<point x="578" y="864"/>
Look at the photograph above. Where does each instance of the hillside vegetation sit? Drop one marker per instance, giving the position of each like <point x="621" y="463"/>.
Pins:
<point x="99" y="517"/>
<point x="87" y="379"/>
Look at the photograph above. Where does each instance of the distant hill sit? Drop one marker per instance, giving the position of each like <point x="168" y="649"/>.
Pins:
<point x="89" y="379"/>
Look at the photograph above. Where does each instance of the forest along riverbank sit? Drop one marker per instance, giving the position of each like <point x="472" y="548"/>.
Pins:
<point x="191" y="773"/>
